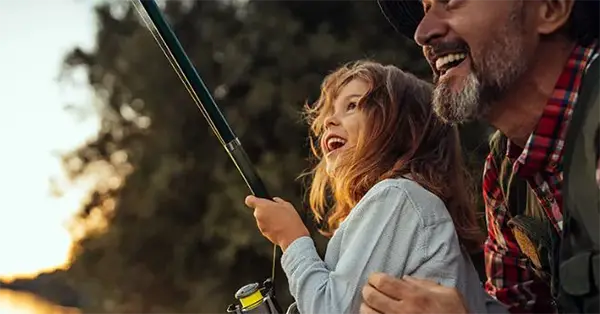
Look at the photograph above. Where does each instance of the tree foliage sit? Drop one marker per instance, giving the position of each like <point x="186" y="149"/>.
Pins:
<point x="176" y="235"/>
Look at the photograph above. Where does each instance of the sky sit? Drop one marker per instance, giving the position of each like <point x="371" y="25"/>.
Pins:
<point x="35" y="128"/>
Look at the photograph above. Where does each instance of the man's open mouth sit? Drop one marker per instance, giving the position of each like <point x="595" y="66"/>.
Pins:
<point x="444" y="63"/>
<point x="334" y="142"/>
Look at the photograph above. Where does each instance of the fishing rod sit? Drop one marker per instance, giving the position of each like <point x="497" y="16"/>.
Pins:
<point x="254" y="297"/>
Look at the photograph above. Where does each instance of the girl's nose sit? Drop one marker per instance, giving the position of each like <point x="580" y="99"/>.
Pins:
<point x="331" y="120"/>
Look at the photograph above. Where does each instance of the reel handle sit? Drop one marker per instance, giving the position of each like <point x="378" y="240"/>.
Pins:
<point x="292" y="309"/>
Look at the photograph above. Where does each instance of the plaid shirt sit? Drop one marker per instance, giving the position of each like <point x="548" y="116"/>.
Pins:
<point x="510" y="277"/>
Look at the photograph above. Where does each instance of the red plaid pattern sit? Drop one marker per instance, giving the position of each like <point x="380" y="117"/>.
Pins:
<point x="510" y="277"/>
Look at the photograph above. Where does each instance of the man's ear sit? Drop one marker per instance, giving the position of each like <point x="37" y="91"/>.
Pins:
<point x="553" y="15"/>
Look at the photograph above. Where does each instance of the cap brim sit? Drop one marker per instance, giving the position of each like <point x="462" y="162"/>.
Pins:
<point x="404" y="15"/>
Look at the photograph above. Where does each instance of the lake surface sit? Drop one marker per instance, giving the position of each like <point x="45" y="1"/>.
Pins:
<point x="12" y="302"/>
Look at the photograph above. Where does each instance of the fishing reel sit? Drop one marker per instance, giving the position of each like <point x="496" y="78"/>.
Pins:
<point x="254" y="298"/>
<point x="257" y="299"/>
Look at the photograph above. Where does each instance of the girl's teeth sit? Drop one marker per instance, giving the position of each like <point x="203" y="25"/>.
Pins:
<point x="333" y="140"/>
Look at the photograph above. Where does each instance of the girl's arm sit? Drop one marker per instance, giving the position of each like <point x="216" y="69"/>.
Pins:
<point x="398" y="228"/>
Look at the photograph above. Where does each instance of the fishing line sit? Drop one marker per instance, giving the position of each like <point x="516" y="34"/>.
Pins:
<point x="173" y="62"/>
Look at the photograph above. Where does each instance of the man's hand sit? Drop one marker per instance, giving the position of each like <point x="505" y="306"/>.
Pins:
<point x="386" y="295"/>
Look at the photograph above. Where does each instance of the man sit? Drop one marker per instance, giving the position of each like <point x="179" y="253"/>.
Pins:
<point x="518" y="65"/>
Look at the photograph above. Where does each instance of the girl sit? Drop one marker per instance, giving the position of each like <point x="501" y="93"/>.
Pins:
<point x="401" y="202"/>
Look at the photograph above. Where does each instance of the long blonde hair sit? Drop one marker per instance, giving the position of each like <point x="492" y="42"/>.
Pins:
<point x="402" y="137"/>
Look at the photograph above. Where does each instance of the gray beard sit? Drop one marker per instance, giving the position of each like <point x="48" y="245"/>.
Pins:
<point x="459" y="107"/>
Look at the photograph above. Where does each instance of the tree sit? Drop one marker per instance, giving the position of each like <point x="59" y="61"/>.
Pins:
<point x="167" y="230"/>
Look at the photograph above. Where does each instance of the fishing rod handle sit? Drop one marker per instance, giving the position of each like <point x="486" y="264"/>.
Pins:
<point x="242" y="162"/>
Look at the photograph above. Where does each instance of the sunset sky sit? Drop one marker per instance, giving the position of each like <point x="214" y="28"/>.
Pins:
<point x="35" y="128"/>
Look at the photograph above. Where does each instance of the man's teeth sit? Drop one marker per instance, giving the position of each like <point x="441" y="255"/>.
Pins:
<point x="333" y="141"/>
<point x="443" y="61"/>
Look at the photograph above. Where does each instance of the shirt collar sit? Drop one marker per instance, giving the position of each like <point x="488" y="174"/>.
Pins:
<point x="543" y="149"/>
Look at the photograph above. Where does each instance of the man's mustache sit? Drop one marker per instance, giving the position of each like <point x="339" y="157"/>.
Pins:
<point x="443" y="48"/>
<point x="438" y="49"/>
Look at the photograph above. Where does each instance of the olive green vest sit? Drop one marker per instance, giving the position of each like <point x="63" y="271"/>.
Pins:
<point x="569" y="266"/>
<point x="578" y="274"/>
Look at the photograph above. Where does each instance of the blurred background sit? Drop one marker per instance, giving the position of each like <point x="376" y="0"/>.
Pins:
<point x="116" y="195"/>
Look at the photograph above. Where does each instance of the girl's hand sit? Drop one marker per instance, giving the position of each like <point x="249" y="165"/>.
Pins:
<point x="277" y="220"/>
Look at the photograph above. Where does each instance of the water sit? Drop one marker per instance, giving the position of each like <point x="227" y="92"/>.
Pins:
<point x="12" y="302"/>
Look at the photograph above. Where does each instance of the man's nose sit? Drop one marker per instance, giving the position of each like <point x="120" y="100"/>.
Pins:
<point x="430" y="28"/>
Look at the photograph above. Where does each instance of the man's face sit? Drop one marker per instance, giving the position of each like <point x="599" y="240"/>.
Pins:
<point x="477" y="50"/>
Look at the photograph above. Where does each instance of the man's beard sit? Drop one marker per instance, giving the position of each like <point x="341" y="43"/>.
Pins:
<point x="458" y="106"/>
<point x="498" y="66"/>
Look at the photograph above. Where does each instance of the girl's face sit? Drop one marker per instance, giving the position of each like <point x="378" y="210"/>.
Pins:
<point x="344" y="123"/>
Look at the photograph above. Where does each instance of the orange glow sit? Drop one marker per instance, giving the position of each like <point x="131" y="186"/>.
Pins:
<point x="34" y="222"/>
<point x="12" y="302"/>
<point x="34" y="244"/>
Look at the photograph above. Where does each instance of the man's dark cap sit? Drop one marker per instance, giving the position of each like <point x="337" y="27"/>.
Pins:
<point x="405" y="16"/>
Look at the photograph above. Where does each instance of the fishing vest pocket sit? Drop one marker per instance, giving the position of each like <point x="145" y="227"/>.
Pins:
<point x="534" y="237"/>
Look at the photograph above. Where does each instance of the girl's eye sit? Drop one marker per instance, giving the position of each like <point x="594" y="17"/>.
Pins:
<point x="352" y="105"/>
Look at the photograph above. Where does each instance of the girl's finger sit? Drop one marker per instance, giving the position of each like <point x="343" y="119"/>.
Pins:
<point x="250" y="201"/>
<point x="253" y="201"/>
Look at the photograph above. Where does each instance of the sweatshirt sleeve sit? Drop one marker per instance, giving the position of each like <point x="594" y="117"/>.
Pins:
<point x="386" y="232"/>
